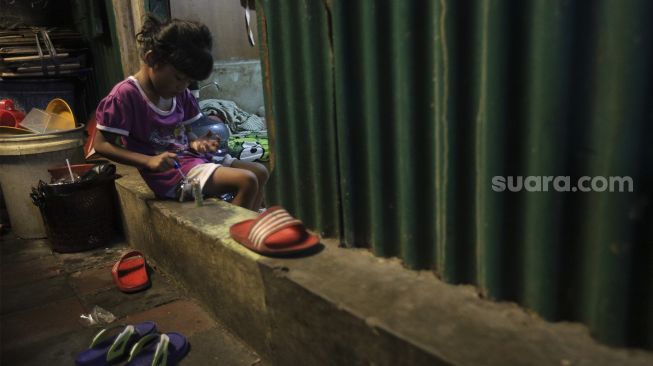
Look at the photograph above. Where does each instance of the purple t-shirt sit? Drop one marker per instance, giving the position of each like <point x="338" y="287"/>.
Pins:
<point x="146" y="129"/>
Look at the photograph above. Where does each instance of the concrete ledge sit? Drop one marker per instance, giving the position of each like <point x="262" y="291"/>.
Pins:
<point x="342" y="306"/>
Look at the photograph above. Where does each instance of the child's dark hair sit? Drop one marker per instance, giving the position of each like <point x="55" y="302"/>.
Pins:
<point x="185" y="45"/>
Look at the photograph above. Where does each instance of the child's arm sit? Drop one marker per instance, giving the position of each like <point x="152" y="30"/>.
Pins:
<point x="121" y="155"/>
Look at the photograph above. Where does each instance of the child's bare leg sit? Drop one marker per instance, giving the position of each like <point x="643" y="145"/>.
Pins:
<point x="262" y="176"/>
<point x="242" y="181"/>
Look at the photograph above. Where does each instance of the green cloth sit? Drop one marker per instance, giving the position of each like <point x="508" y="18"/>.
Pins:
<point x="249" y="146"/>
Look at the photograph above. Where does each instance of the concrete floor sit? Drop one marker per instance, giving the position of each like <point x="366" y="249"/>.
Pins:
<point x="43" y="295"/>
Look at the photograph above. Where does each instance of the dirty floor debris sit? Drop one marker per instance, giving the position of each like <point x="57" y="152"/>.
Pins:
<point x="43" y="295"/>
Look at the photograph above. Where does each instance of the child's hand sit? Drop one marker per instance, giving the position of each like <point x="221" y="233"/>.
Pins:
<point x="204" y="145"/>
<point x="161" y="162"/>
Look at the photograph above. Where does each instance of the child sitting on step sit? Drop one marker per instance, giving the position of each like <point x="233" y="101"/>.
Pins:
<point x="151" y="111"/>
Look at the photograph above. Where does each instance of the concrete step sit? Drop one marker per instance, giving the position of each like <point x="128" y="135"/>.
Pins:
<point x="342" y="306"/>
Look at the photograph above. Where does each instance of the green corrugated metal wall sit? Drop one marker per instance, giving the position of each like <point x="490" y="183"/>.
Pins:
<point x="391" y="117"/>
<point x="305" y="146"/>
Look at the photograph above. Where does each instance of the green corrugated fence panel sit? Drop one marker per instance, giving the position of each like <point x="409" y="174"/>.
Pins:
<point x="300" y="77"/>
<point x="390" y="119"/>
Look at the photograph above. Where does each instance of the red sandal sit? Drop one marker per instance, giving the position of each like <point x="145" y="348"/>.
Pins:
<point x="274" y="232"/>
<point x="130" y="272"/>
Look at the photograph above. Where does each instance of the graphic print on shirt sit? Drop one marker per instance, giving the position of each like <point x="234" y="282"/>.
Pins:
<point x="166" y="139"/>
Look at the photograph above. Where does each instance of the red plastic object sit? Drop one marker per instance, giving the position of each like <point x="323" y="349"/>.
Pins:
<point x="9" y="115"/>
<point x="91" y="130"/>
<point x="61" y="172"/>
<point x="130" y="272"/>
<point x="274" y="233"/>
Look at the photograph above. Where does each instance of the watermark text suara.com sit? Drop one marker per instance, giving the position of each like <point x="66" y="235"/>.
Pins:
<point x="549" y="183"/>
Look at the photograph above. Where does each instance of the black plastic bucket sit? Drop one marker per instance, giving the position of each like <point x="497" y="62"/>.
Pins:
<point x="78" y="216"/>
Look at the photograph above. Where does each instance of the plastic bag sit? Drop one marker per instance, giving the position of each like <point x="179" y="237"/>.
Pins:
<point x="97" y="316"/>
<point x="96" y="175"/>
<point x="100" y="171"/>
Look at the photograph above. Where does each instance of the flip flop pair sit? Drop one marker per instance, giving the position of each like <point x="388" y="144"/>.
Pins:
<point x="136" y="343"/>
<point x="130" y="272"/>
<point x="274" y="233"/>
<point x="108" y="348"/>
